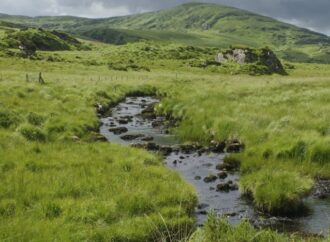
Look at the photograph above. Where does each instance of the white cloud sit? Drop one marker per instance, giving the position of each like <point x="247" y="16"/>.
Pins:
<point x="98" y="10"/>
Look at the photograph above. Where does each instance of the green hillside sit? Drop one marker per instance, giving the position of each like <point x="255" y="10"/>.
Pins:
<point x="198" y="24"/>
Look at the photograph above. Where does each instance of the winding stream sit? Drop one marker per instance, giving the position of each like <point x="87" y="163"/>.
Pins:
<point x="128" y="126"/>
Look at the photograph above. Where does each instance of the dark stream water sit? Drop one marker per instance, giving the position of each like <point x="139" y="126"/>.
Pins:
<point x="194" y="166"/>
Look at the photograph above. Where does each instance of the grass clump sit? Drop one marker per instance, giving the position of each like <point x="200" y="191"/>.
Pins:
<point x="8" y="119"/>
<point x="92" y="190"/>
<point x="35" y="119"/>
<point x="33" y="133"/>
<point x="277" y="192"/>
<point x="320" y="153"/>
<point x="219" y="230"/>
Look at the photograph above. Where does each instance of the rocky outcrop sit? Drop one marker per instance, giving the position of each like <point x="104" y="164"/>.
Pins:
<point x="263" y="57"/>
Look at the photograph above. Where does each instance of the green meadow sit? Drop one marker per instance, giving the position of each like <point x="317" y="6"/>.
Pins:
<point x="60" y="181"/>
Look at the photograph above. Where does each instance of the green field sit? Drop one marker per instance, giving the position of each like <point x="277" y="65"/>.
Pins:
<point x="61" y="182"/>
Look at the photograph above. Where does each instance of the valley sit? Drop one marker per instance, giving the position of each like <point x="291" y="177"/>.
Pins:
<point x="150" y="130"/>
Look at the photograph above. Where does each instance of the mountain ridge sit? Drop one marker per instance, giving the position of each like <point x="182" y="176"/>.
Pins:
<point x="200" y="24"/>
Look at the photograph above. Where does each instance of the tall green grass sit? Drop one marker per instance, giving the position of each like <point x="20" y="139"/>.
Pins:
<point x="218" y="230"/>
<point x="59" y="183"/>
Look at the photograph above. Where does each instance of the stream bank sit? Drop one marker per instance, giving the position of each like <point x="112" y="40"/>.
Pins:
<point x="132" y="123"/>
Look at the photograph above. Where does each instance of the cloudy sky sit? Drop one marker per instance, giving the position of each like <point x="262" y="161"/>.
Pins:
<point x="313" y="14"/>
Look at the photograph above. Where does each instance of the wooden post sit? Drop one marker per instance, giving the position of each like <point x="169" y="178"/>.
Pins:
<point x="41" y="80"/>
<point x="27" y="77"/>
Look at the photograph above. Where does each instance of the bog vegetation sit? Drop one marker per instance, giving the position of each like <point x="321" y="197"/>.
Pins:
<point x="61" y="181"/>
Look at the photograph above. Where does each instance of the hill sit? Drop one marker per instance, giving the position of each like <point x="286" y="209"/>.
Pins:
<point x="198" y="24"/>
<point x="15" y="36"/>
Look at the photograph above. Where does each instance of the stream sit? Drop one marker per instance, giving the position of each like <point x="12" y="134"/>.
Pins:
<point x="128" y="126"/>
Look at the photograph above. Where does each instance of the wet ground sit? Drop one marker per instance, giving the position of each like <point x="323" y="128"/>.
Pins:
<point x="131" y="124"/>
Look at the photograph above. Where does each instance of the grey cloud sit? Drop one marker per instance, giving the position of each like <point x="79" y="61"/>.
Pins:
<point x="306" y="13"/>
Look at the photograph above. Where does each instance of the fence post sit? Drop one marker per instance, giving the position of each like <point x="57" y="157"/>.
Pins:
<point x="41" y="80"/>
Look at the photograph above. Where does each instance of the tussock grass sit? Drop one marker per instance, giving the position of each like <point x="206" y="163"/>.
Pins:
<point x="218" y="230"/>
<point x="58" y="182"/>
<point x="282" y="122"/>
<point x="277" y="191"/>
<point x="85" y="191"/>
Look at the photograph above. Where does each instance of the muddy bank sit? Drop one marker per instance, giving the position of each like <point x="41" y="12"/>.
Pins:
<point x="133" y="122"/>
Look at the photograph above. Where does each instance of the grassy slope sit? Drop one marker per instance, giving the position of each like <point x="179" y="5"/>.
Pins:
<point x="54" y="188"/>
<point x="198" y="24"/>
<point x="227" y="106"/>
<point x="283" y="121"/>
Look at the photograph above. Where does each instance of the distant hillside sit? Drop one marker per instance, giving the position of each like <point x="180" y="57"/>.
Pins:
<point x="198" y="24"/>
<point x="13" y="36"/>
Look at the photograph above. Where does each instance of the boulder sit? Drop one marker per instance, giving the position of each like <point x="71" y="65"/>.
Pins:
<point x="222" y="175"/>
<point x="243" y="55"/>
<point x="118" y="130"/>
<point x="165" y="150"/>
<point x="227" y="186"/>
<point x="148" y="112"/>
<point x="147" y="138"/>
<point x="234" y="146"/>
<point x="210" y="178"/>
<point x="217" y="147"/>
<point x="130" y="137"/>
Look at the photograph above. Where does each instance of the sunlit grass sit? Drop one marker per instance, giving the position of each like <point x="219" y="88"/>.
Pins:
<point x="57" y="182"/>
